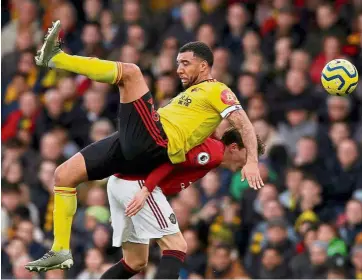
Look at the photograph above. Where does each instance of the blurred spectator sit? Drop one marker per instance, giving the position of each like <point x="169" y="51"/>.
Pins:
<point x="93" y="262"/>
<point x="283" y="50"/>
<point x="51" y="115"/>
<point x="257" y="108"/>
<point x="220" y="70"/>
<point x="185" y="30"/>
<point x="92" y="40"/>
<point x="51" y="148"/>
<point x="67" y="15"/>
<point x="299" y="262"/>
<point x="327" y="22"/>
<point x="338" y="109"/>
<point x="331" y="50"/>
<point x="26" y="21"/>
<point x="25" y="232"/>
<point x="273" y="265"/>
<point x="300" y="60"/>
<point x="210" y="186"/>
<point x="338" y="132"/>
<point x="246" y="87"/>
<point x="237" y="19"/>
<point x="293" y="179"/>
<point x="19" y="270"/>
<point x="328" y="233"/>
<point x="286" y="25"/>
<point x="92" y="9"/>
<point x="298" y="124"/>
<point x="353" y="224"/>
<point x="237" y="186"/>
<point x="24" y="41"/>
<point x="95" y="106"/>
<point x="100" y="129"/>
<point x="42" y="194"/>
<point x="206" y="33"/>
<point x="108" y="28"/>
<point x="222" y="265"/>
<point x="22" y="121"/>
<point x="311" y="199"/>
<point x="196" y="259"/>
<point x="318" y="261"/>
<point x="356" y="260"/>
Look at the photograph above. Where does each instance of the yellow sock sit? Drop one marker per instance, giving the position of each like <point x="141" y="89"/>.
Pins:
<point x="104" y="71"/>
<point x="65" y="205"/>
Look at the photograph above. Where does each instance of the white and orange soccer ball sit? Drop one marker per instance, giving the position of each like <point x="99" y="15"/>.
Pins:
<point x="339" y="77"/>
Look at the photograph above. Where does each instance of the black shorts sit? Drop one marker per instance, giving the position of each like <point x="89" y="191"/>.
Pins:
<point x="138" y="147"/>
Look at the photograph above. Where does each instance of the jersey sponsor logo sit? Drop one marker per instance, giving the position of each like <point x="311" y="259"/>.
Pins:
<point x="228" y="97"/>
<point x="173" y="218"/>
<point x="203" y="158"/>
<point x="184" y="100"/>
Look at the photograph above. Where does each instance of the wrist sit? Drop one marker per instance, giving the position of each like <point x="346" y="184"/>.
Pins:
<point x="145" y="190"/>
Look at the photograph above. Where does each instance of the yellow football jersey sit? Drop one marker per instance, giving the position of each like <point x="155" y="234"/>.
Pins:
<point x="194" y="114"/>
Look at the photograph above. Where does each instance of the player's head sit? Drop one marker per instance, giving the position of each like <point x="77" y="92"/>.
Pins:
<point x="194" y="61"/>
<point x="235" y="152"/>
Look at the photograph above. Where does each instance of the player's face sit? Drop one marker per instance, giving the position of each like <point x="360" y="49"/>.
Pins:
<point x="188" y="68"/>
<point x="234" y="157"/>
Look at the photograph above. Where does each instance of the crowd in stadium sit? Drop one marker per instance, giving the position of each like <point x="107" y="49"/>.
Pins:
<point x="306" y="222"/>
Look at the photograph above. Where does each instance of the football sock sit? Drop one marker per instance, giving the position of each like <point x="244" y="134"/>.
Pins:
<point x="170" y="265"/>
<point x="119" y="271"/>
<point x="65" y="205"/>
<point x="104" y="71"/>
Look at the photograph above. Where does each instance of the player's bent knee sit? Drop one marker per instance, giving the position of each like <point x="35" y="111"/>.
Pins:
<point x="182" y="246"/>
<point x="175" y="242"/>
<point x="59" y="176"/>
<point x="137" y="264"/>
<point x="130" y="71"/>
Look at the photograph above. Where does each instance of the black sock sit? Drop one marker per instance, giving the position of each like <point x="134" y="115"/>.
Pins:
<point x="119" y="271"/>
<point x="170" y="264"/>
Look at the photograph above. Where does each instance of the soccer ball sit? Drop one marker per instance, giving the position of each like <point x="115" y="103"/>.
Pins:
<point x="339" y="77"/>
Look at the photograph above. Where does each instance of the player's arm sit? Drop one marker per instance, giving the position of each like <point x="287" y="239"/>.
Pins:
<point x="250" y="171"/>
<point x="225" y="102"/>
<point x="240" y="120"/>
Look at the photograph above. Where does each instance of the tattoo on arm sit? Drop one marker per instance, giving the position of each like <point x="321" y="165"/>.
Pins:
<point x="241" y="122"/>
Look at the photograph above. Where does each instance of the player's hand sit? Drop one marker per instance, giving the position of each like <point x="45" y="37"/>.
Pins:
<point x="251" y="173"/>
<point x="137" y="202"/>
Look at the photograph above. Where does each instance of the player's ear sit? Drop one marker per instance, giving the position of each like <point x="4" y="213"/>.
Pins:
<point x="234" y="147"/>
<point x="204" y="65"/>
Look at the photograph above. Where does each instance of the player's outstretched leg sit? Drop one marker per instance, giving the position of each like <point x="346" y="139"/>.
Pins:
<point x="51" y="55"/>
<point x="67" y="176"/>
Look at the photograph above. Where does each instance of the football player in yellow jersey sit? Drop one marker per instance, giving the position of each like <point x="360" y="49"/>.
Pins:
<point x="145" y="138"/>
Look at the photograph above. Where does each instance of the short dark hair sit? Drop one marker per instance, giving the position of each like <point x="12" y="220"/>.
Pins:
<point x="200" y="50"/>
<point x="231" y="136"/>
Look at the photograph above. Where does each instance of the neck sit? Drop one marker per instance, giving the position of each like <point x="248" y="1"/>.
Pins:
<point x="203" y="78"/>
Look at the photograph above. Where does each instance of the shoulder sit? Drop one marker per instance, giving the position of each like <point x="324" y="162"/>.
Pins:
<point x="209" y="153"/>
<point x="213" y="85"/>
